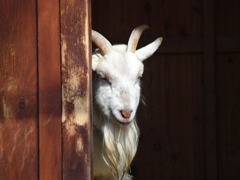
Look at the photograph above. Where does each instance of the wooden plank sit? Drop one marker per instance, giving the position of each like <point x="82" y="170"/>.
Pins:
<point x="172" y="128"/>
<point x="171" y="44"/>
<point x="76" y="92"/>
<point x="18" y="90"/>
<point x="209" y="88"/>
<point x="228" y="88"/>
<point x="184" y="32"/>
<point x="181" y="45"/>
<point x="50" y="165"/>
<point x="227" y="18"/>
<point x="228" y="44"/>
<point x="228" y="111"/>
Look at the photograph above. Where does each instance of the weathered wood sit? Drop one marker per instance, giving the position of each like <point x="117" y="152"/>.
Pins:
<point x="209" y="89"/>
<point x="18" y="90"/>
<point x="76" y="92"/>
<point x="50" y="144"/>
<point x="174" y="80"/>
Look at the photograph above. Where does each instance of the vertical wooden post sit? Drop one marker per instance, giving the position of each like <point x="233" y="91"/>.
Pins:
<point x="50" y="144"/>
<point x="76" y="88"/>
<point x="209" y="88"/>
<point x="18" y="90"/>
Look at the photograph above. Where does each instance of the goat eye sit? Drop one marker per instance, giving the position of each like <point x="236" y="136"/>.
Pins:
<point x="107" y="80"/>
<point x="104" y="77"/>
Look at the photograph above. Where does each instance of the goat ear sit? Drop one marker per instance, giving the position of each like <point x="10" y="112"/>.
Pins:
<point x="147" y="51"/>
<point x="95" y="61"/>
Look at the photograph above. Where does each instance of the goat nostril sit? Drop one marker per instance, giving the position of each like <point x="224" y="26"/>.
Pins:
<point x="126" y="113"/>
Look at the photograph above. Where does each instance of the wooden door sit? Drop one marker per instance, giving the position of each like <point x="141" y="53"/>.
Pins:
<point x="18" y="90"/>
<point x="45" y="89"/>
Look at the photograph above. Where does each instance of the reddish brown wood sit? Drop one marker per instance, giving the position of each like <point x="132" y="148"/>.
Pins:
<point x="50" y="144"/>
<point x="76" y="93"/>
<point x="18" y="90"/>
<point x="173" y="139"/>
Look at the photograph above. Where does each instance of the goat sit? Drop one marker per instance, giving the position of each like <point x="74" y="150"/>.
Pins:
<point x="116" y="93"/>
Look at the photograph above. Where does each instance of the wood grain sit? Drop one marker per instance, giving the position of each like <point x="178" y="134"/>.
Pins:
<point x="185" y="133"/>
<point x="18" y="90"/>
<point x="76" y="93"/>
<point x="209" y="89"/>
<point x="228" y="110"/>
<point x="228" y="88"/>
<point x="49" y="73"/>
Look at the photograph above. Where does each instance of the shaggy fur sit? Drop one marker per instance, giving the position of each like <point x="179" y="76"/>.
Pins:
<point x="116" y="87"/>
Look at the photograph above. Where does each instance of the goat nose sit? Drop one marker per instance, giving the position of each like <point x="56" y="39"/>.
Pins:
<point x="126" y="113"/>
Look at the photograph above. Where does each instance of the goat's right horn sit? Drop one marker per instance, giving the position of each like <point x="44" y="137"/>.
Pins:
<point x="101" y="42"/>
<point x="134" y="38"/>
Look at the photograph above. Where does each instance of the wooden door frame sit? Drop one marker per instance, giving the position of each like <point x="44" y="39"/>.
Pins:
<point x="64" y="51"/>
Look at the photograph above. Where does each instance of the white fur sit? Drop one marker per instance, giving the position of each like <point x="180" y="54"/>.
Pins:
<point x="116" y="86"/>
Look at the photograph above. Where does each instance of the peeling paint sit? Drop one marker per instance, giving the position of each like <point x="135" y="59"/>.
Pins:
<point x="76" y="91"/>
<point x="81" y="149"/>
<point x="80" y="146"/>
<point x="64" y="48"/>
<point x="70" y="127"/>
<point x="63" y="106"/>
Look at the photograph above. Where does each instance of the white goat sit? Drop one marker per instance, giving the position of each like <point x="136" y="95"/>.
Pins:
<point x="116" y="90"/>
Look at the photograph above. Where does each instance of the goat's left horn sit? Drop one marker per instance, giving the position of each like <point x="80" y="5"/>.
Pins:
<point x="101" y="42"/>
<point x="134" y="38"/>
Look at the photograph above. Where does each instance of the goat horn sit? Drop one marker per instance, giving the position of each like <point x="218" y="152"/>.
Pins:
<point x="134" y="38"/>
<point x="101" y="42"/>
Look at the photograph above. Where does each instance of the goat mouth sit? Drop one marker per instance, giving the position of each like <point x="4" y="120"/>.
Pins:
<point x="125" y="123"/>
